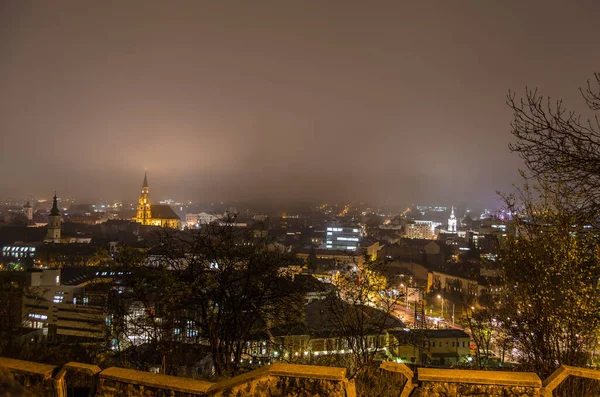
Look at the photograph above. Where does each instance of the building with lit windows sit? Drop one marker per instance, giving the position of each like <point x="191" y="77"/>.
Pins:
<point x="18" y="251"/>
<point x="420" y="230"/>
<point x="343" y="238"/>
<point x="154" y="214"/>
<point x="203" y="218"/>
<point x="439" y="347"/>
<point x="66" y="302"/>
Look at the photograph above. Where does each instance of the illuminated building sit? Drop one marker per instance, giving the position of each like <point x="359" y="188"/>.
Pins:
<point x="420" y="229"/>
<point x="20" y="250"/>
<point x="343" y="238"/>
<point x="53" y="231"/>
<point x="154" y="214"/>
<point x="452" y="222"/>
<point x="196" y="220"/>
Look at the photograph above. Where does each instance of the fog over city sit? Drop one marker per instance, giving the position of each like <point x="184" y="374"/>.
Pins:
<point x="276" y="101"/>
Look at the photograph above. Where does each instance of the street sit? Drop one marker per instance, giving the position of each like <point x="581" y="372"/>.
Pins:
<point x="408" y="317"/>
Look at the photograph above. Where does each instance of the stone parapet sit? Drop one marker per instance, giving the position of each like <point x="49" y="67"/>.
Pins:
<point x="405" y="371"/>
<point x="502" y="378"/>
<point x="562" y="373"/>
<point x="36" y="378"/>
<point x="29" y="368"/>
<point x="278" y="380"/>
<point x="287" y="379"/>
<point x="117" y="381"/>
<point x="457" y="382"/>
<point x="76" y="375"/>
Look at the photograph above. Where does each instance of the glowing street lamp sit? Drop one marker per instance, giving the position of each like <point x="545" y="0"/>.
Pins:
<point x="440" y="297"/>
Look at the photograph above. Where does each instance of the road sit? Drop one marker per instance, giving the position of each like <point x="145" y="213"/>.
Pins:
<point x="408" y="317"/>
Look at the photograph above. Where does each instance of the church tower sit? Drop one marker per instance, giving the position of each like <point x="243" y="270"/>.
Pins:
<point x="452" y="222"/>
<point x="144" y="214"/>
<point x="28" y="212"/>
<point x="53" y="232"/>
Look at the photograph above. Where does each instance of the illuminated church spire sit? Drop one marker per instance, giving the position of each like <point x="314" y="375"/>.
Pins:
<point x="154" y="214"/>
<point x="452" y="222"/>
<point x="53" y="231"/>
<point x="144" y="213"/>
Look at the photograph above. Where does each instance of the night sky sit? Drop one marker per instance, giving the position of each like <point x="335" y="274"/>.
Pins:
<point x="385" y="102"/>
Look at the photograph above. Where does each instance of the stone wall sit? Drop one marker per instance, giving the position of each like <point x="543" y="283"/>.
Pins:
<point x="288" y="380"/>
<point x="36" y="379"/>
<point x="88" y="380"/>
<point x="457" y="382"/>
<point x="452" y="389"/>
<point x="127" y="382"/>
<point x="76" y="379"/>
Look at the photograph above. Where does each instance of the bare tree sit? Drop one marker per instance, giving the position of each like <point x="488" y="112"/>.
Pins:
<point x="221" y="280"/>
<point x="559" y="146"/>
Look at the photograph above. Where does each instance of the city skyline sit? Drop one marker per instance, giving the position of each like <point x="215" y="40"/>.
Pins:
<point x="278" y="103"/>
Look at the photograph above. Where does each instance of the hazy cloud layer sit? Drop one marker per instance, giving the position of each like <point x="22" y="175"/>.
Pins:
<point x="379" y="101"/>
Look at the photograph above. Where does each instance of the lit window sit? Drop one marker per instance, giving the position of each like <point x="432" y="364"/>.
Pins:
<point x="38" y="316"/>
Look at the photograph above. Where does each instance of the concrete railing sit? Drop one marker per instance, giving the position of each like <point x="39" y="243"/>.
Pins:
<point x="278" y="379"/>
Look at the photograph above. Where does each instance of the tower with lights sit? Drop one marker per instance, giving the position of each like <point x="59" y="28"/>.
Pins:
<point x="154" y="214"/>
<point x="53" y="232"/>
<point x="144" y="211"/>
<point x="452" y="222"/>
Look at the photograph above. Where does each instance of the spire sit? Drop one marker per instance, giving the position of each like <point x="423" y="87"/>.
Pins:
<point x="452" y="222"/>
<point x="54" y="210"/>
<point x="145" y="184"/>
<point x="27" y="205"/>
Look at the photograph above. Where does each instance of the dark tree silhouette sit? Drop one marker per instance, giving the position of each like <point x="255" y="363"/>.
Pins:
<point x="560" y="147"/>
<point x="225" y="281"/>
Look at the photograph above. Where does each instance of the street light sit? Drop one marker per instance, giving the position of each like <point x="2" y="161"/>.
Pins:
<point x="440" y="297"/>
<point x="405" y="295"/>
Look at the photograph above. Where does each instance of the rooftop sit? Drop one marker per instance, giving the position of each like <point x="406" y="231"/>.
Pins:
<point x="163" y="211"/>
